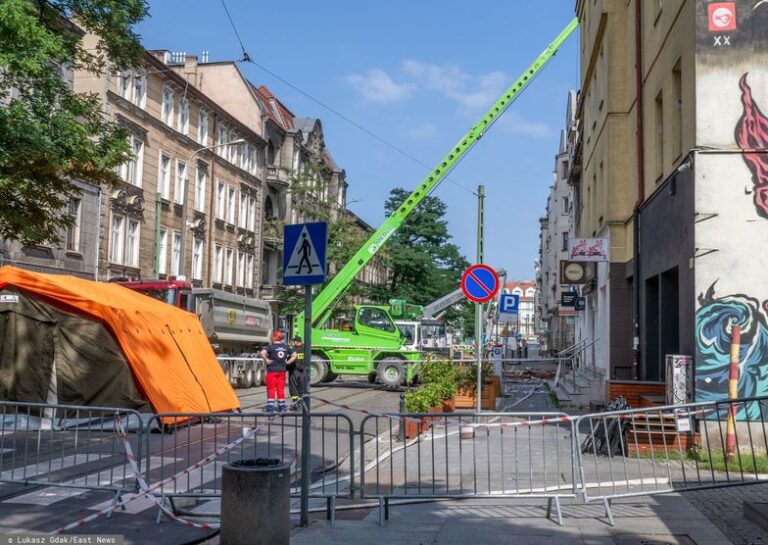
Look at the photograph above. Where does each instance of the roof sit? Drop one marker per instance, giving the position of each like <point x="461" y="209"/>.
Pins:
<point x="306" y="125"/>
<point x="524" y="285"/>
<point x="273" y="108"/>
<point x="168" y="352"/>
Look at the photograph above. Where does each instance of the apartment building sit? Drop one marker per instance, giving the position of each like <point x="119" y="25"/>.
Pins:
<point x="557" y="322"/>
<point x="192" y="197"/>
<point x="684" y="167"/>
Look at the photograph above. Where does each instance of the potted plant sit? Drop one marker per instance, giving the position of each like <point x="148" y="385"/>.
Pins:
<point x="466" y="396"/>
<point x="418" y="402"/>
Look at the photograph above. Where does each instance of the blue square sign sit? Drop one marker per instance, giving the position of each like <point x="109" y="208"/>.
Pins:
<point x="509" y="303"/>
<point x="304" y="255"/>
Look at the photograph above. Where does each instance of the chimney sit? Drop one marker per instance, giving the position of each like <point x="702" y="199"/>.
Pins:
<point x="190" y="69"/>
<point x="205" y="56"/>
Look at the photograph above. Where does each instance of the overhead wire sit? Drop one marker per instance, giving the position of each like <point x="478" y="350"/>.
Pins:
<point x="248" y="59"/>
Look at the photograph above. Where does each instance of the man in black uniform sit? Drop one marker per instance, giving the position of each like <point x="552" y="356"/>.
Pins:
<point x="278" y="356"/>
<point x="296" y="375"/>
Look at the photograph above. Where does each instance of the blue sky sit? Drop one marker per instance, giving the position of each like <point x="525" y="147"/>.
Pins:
<point x="419" y="74"/>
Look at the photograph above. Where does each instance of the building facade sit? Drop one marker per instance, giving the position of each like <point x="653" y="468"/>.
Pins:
<point x="523" y="324"/>
<point x="687" y="163"/>
<point x="557" y="322"/>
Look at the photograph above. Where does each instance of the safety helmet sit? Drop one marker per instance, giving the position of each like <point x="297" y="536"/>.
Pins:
<point x="277" y="336"/>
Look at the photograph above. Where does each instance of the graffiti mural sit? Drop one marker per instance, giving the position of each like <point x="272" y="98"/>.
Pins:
<point x="752" y="134"/>
<point x="714" y="321"/>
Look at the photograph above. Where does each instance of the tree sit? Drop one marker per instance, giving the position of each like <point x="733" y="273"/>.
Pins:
<point x="50" y="135"/>
<point x="424" y="265"/>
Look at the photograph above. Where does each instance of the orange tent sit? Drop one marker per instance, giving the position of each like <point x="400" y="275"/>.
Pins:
<point x="170" y="358"/>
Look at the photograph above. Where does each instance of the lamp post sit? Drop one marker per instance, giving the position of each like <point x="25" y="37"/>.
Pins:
<point x="184" y="226"/>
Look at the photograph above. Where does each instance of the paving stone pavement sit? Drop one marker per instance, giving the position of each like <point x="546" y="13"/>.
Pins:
<point x="723" y="506"/>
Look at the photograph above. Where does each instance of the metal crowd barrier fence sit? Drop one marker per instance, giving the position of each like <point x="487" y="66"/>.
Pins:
<point x="68" y="446"/>
<point x="655" y="450"/>
<point x="184" y="439"/>
<point x="461" y="455"/>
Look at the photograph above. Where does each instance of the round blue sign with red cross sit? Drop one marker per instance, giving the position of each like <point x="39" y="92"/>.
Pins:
<point x="480" y="283"/>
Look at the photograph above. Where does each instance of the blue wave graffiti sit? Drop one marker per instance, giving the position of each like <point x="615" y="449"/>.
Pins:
<point x="714" y="321"/>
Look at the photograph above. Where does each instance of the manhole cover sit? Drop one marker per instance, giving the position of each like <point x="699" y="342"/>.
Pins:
<point x="656" y="539"/>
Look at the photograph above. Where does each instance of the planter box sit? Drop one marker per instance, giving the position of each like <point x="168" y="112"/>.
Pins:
<point x="449" y="405"/>
<point x="412" y="428"/>
<point x="468" y="399"/>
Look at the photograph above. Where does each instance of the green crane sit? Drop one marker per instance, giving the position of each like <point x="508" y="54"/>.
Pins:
<point x="373" y="346"/>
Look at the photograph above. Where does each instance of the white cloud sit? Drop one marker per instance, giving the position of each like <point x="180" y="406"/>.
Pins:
<point x="422" y="130"/>
<point x="471" y="92"/>
<point x="513" y="123"/>
<point x="377" y="86"/>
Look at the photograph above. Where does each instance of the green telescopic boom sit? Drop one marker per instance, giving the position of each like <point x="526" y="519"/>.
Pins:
<point x="326" y="300"/>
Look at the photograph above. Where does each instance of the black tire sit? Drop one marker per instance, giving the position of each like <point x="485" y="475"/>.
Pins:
<point x="391" y="372"/>
<point x="226" y="367"/>
<point x="318" y="370"/>
<point x="246" y="380"/>
<point x="371" y="378"/>
<point x="259" y="375"/>
<point x="330" y="376"/>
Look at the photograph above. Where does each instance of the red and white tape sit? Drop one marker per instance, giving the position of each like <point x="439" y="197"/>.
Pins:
<point x="146" y="491"/>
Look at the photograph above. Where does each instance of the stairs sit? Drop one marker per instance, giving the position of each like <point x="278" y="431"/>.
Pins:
<point x="578" y="390"/>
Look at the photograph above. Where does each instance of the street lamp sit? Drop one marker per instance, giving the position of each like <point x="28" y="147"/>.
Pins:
<point x="185" y="225"/>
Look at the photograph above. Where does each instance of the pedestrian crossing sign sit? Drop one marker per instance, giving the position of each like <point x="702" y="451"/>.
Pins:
<point x="304" y="258"/>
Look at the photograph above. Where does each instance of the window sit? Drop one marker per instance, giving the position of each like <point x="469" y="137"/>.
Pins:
<point x="200" y="182"/>
<point x="162" y="267"/>
<point x="167" y="108"/>
<point x="659" y="136"/>
<point x="164" y="177"/>
<point x="73" y="230"/>
<point x="183" y="115"/>
<point x="222" y="140"/>
<point x="221" y="204"/>
<point x="176" y="257"/>
<point x="254" y="160"/>
<point x="242" y="218"/>
<point x="251" y="213"/>
<point x="230" y="266"/>
<point x="131" y="170"/>
<point x="132" y="244"/>
<point x="202" y="128"/>
<point x="231" y="205"/>
<point x="240" y="269"/>
<point x="245" y="158"/>
<point x="249" y="271"/>
<point x="376" y="318"/>
<point x="218" y="257"/>
<point x="564" y="247"/>
<point x="197" y="259"/>
<point x="677" y="111"/>
<point x="124" y="243"/>
<point x="565" y="205"/>
<point x="181" y="182"/>
<point x="234" y="151"/>
<point x="132" y="86"/>
<point x="116" y="239"/>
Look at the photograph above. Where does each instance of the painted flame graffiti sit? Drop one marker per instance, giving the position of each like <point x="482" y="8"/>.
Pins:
<point x="752" y="134"/>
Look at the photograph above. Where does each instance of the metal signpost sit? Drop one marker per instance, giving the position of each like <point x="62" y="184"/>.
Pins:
<point x="304" y="264"/>
<point x="480" y="284"/>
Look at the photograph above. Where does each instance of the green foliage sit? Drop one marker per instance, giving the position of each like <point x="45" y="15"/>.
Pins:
<point x="424" y="264"/>
<point x="440" y="376"/>
<point x="423" y="399"/>
<point x="50" y="135"/>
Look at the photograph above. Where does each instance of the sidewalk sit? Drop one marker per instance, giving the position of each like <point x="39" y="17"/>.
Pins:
<point x="664" y="519"/>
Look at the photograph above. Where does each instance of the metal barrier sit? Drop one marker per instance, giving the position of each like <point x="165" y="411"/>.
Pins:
<point x="185" y="439"/>
<point x="671" y="449"/>
<point x="461" y="455"/>
<point x="67" y="446"/>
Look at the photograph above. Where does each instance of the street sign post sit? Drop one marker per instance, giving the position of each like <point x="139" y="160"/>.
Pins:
<point x="480" y="283"/>
<point x="304" y="264"/>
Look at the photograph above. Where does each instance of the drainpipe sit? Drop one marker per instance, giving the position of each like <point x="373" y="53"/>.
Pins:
<point x="640" y="186"/>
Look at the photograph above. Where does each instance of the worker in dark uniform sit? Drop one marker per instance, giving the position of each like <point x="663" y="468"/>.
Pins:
<point x="278" y="356"/>
<point x="296" y="375"/>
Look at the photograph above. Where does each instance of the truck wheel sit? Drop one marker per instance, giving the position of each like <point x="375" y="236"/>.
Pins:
<point x="330" y="376"/>
<point x="318" y="370"/>
<point x="391" y="372"/>
<point x="258" y="375"/>
<point x="246" y="380"/>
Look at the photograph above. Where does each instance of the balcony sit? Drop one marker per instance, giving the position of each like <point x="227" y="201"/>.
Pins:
<point x="277" y="175"/>
<point x="273" y="233"/>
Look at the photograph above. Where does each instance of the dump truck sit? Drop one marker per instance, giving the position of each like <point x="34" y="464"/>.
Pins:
<point x="237" y="327"/>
